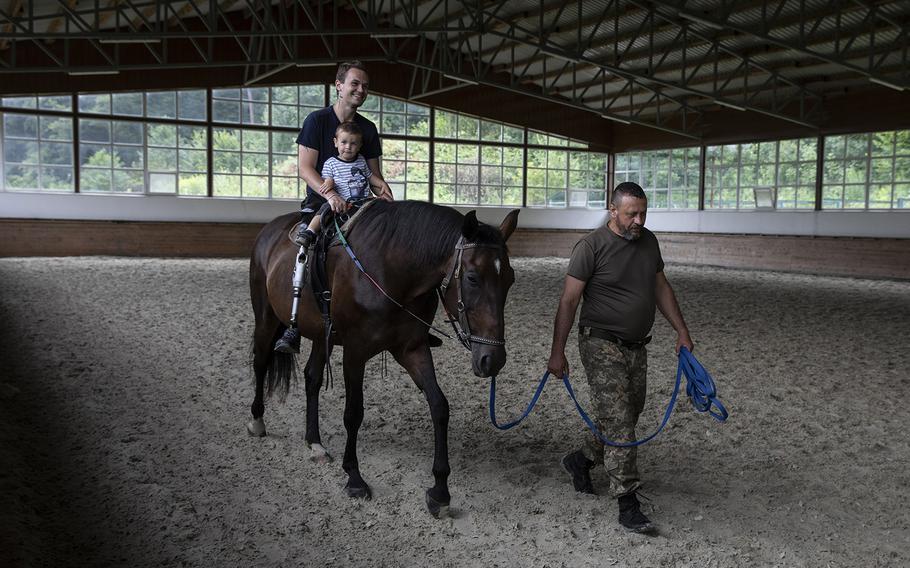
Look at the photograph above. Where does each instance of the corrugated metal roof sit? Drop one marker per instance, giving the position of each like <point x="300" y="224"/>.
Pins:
<point x="585" y="54"/>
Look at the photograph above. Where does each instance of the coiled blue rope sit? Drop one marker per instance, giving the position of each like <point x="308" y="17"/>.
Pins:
<point x="700" y="388"/>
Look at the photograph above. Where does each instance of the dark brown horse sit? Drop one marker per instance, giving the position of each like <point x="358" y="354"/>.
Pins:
<point x="410" y="249"/>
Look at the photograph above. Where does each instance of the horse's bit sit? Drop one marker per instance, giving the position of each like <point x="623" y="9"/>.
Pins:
<point x="461" y="325"/>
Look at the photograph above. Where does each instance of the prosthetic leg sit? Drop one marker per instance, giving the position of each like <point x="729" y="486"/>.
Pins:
<point x="290" y="341"/>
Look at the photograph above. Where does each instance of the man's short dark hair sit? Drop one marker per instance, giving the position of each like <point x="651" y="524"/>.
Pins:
<point x="349" y="127"/>
<point x="342" y="73"/>
<point x="629" y="188"/>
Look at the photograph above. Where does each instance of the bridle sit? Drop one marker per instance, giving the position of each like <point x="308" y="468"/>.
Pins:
<point x="461" y="325"/>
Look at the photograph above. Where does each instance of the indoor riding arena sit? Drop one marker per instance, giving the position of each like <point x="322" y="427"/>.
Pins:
<point x="144" y="144"/>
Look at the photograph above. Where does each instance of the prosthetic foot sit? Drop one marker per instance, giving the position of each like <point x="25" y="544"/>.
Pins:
<point x="289" y="342"/>
<point x="305" y="237"/>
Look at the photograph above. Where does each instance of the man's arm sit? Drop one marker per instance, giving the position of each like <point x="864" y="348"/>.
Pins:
<point x="669" y="307"/>
<point x="381" y="188"/>
<point x="565" y="316"/>
<point x="306" y="166"/>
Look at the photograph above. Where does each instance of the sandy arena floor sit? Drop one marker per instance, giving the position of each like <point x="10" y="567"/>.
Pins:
<point x="124" y="390"/>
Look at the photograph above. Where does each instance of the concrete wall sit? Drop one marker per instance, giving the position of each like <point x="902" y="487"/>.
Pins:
<point x="846" y="256"/>
<point x="870" y="244"/>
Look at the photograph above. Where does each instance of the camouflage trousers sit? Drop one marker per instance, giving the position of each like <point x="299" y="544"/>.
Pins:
<point x="617" y="377"/>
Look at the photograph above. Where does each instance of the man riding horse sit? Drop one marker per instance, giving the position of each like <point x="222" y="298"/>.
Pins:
<point x="316" y="145"/>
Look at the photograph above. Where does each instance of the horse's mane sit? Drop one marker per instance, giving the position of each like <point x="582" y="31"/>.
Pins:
<point x="424" y="232"/>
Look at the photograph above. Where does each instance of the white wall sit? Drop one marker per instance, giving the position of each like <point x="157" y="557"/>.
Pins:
<point x="884" y="224"/>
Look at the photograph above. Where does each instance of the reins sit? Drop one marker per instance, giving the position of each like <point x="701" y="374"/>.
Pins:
<point x="700" y="388"/>
<point x="359" y="265"/>
<point x="455" y="274"/>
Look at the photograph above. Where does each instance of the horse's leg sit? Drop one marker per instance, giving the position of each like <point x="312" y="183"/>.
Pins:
<point x="353" y="418"/>
<point x="268" y="328"/>
<point x="313" y="374"/>
<point x="418" y="362"/>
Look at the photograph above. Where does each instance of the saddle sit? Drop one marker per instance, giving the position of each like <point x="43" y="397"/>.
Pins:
<point x="316" y="272"/>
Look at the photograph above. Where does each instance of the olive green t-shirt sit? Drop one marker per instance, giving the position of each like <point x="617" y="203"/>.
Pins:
<point x="621" y="277"/>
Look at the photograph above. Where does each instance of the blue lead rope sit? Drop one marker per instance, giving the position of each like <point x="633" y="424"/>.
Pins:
<point x="516" y="422"/>
<point x="699" y="387"/>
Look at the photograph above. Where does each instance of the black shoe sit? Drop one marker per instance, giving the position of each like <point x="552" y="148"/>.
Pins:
<point x="434" y="341"/>
<point x="305" y="237"/>
<point x="631" y="517"/>
<point x="580" y="467"/>
<point x="289" y="342"/>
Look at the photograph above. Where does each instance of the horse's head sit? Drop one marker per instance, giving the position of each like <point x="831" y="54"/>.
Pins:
<point x="476" y="287"/>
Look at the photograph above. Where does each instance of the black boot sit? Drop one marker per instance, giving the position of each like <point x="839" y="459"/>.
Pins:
<point x="580" y="467"/>
<point x="631" y="517"/>
<point x="289" y="342"/>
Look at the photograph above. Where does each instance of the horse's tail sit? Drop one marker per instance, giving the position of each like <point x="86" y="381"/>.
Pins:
<point x="276" y="370"/>
<point x="280" y="374"/>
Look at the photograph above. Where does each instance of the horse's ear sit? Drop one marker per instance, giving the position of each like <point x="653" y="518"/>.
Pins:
<point x="470" y="225"/>
<point x="508" y="224"/>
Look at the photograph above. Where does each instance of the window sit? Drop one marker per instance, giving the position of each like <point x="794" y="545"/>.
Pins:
<point x="240" y="162"/>
<point x="177" y="159"/>
<point x="587" y="180"/>
<point x="255" y="163"/>
<point x="285" y="182"/>
<point x="457" y="173"/>
<point x="501" y="175"/>
<point x="185" y="105"/>
<point x="867" y="171"/>
<point x="37" y="152"/>
<point x="669" y="177"/>
<point x="283" y="106"/>
<point x="722" y="177"/>
<point x="394" y="116"/>
<point x="158" y="142"/>
<point x="291" y="104"/>
<point x="56" y="102"/>
<point x="249" y="105"/>
<point x="560" y="178"/>
<point x="548" y="177"/>
<point x="460" y="126"/>
<point x="796" y="173"/>
<point x="111" y="156"/>
<point x="406" y="168"/>
<point x="785" y="167"/>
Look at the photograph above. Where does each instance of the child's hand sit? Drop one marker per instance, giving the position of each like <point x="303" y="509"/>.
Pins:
<point x="328" y="184"/>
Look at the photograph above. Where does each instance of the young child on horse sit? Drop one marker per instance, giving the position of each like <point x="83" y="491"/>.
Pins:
<point x="346" y="177"/>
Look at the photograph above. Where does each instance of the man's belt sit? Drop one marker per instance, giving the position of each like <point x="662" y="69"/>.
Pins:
<point x="603" y="334"/>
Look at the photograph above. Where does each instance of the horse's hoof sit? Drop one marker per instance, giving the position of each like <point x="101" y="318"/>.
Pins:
<point x="437" y="509"/>
<point x="256" y="427"/>
<point x="358" y="492"/>
<point x="319" y="454"/>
